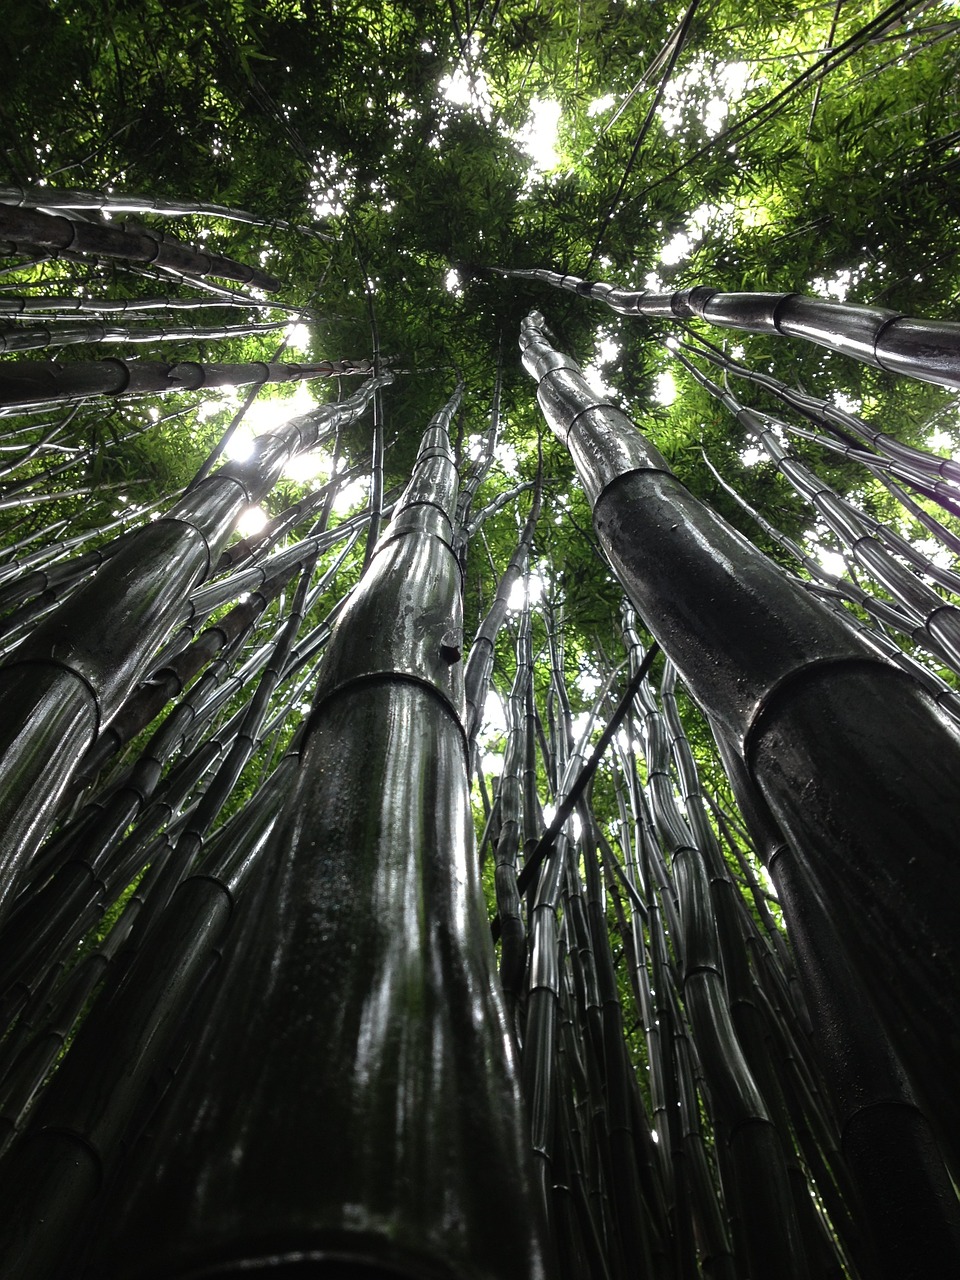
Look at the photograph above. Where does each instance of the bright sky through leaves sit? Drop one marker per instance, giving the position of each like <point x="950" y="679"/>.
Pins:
<point x="539" y="137"/>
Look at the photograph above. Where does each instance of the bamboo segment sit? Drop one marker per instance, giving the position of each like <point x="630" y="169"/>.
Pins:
<point x="829" y="732"/>
<point x="924" y="349"/>
<point x="50" y="231"/>
<point x="375" y="900"/>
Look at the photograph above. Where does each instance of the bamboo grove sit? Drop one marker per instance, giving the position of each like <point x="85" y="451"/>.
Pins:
<point x="459" y="821"/>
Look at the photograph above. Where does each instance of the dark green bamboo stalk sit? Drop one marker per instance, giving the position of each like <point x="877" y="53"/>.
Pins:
<point x="376" y="824"/>
<point x="376" y="480"/>
<point x="638" y="1204"/>
<point x="496" y="505"/>
<point x="694" y="1202"/>
<point x="577" y="778"/>
<point x="829" y="733"/>
<point x="922" y="470"/>
<point x="771" y="1237"/>
<point x="147" y="701"/>
<point x="211" y="596"/>
<point x="749" y="1012"/>
<point x="52" y="917"/>
<point x="277" y="528"/>
<point x="45" y="1037"/>
<point x="244" y="743"/>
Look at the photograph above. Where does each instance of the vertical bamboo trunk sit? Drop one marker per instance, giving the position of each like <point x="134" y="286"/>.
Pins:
<point x="908" y="1208"/>
<point x="860" y="769"/>
<point x="479" y="668"/>
<point x="353" y="1107"/>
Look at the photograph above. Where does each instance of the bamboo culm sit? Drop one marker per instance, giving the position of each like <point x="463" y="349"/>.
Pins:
<point x="51" y="198"/>
<point x="802" y="699"/>
<point x="924" y="349"/>
<point x="65" y="235"/>
<point x="402" y="685"/>
<point x="79" y="666"/>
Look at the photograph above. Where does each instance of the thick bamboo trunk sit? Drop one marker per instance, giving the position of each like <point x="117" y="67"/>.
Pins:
<point x="858" y="766"/>
<point x="924" y="349"/>
<point x="360" y="1020"/>
<point x="907" y="1207"/>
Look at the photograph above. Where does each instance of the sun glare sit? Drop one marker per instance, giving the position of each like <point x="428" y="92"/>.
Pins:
<point x="251" y="521"/>
<point x="297" y="336"/>
<point x="539" y="136"/>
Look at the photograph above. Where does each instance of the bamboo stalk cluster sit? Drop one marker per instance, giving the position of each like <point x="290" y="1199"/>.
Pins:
<point x="242" y="912"/>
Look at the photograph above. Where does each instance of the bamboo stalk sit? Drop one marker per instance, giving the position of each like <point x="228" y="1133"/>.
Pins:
<point x="65" y="235"/>
<point x="808" y="707"/>
<point x="29" y="383"/>
<point x="924" y="349"/>
<point x="45" y="197"/>
<point x="81" y="664"/>
<point x="36" y="337"/>
<point x="412" y="998"/>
